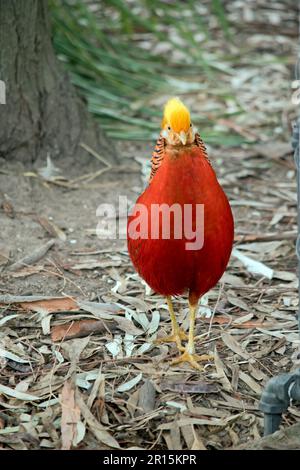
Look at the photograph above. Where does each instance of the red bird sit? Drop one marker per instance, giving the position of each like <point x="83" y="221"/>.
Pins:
<point x="180" y="233"/>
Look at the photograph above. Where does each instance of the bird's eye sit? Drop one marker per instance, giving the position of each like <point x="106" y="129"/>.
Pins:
<point x="169" y="128"/>
<point x="191" y="125"/>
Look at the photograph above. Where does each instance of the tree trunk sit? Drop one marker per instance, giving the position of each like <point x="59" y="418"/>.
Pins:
<point x="42" y="114"/>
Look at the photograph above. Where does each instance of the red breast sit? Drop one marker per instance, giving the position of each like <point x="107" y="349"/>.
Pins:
<point x="184" y="178"/>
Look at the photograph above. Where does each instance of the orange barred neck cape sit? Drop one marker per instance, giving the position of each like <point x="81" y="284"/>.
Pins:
<point x="182" y="174"/>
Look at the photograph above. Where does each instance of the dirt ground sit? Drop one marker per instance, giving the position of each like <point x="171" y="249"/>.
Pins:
<point x="72" y="211"/>
<point x="248" y="321"/>
<point x="78" y="366"/>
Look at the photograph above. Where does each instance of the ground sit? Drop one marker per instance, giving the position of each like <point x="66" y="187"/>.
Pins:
<point x="79" y="368"/>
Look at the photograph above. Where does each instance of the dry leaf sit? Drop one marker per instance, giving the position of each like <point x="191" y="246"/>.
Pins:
<point x="199" y="386"/>
<point x="146" y="398"/>
<point x="51" y="228"/>
<point x="221" y="372"/>
<point x="94" y="265"/>
<point x="51" y="305"/>
<point x="100" y="310"/>
<point x="237" y="302"/>
<point x="10" y="392"/>
<point x="70" y="416"/>
<point x="29" y="271"/>
<point x="253" y="266"/>
<point x="125" y="387"/>
<point x="198" y="443"/>
<point x="96" y="428"/>
<point x="250" y="382"/>
<point x="126" y="325"/>
<point x="76" y="329"/>
<point x="232" y="344"/>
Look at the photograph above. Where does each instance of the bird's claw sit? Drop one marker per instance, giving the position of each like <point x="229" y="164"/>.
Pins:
<point x="177" y="337"/>
<point x="192" y="359"/>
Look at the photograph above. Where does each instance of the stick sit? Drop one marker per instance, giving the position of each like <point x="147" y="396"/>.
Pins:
<point x="291" y="235"/>
<point x="33" y="258"/>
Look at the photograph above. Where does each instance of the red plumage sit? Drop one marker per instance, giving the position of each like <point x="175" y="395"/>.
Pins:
<point x="185" y="176"/>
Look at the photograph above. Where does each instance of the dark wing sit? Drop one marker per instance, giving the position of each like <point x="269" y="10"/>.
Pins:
<point x="199" y="142"/>
<point x="157" y="156"/>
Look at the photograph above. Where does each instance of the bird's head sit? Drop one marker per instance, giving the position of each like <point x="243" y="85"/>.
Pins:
<point x="176" y="125"/>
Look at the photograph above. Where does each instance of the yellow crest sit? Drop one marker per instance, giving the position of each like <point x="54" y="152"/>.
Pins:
<point x="176" y="115"/>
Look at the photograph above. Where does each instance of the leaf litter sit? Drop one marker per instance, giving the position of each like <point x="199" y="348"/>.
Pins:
<point x="79" y="367"/>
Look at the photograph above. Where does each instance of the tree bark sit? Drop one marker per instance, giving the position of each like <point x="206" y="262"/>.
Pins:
<point x="42" y="114"/>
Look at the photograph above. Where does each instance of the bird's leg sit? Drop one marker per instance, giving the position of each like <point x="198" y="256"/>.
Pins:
<point x="189" y="350"/>
<point x="177" y="334"/>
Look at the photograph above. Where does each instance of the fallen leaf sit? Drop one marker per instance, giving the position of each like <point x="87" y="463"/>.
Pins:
<point x="33" y="257"/>
<point x="37" y="303"/>
<point x="7" y="318"/>
<point x="61" y="304"/>
<point x="51" y="228"/>
<point x="154" y="323"/>
<point x="250" y="382"/>
<point x="200" y="422"/>
<point x="126" y="325"/>
<point x="222" y="320"/>
<point x="10" y="392"/>
<point x="125" y="387"/>
<point x="253" y="266"/>
<point x="190" y="387"/>
<point x="285" y="275"/>
<point x="28" y="271"/>
<point x="146" y="398"/>
<point x="232" y="344"/>
<point x="222" y="377"/>
<point x="115" y="346"/>
<point x="100" y="380"/>
<point x="179" y="406"/>
<point x="96" y="428"/>
<point x="100" y="310"/>
<point x="70" y="416"/>
<point x="74" y="348"/>
<point x="232" y="280"/>
<point x="261" y="247"/>
<point x="94" y="265"/>
<point x="76" y="329"/>
<point x="237" y="302"/>
<point x="13" y="357"/>
<point x="243" y="319"/>
<point x="198" y="443"/>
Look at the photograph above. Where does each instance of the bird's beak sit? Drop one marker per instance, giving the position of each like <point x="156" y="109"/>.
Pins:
<point x="182" y="137"/>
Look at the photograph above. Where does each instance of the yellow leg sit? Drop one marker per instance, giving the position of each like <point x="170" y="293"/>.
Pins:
<point x="189" y="351"/>
<point x="177" y="334"/>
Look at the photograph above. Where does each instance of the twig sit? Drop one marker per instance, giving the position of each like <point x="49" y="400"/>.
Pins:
<point x="95" y="154"/>
<point x="290" y="235"/>
<point x="214" y="310"/>
<point x="33" y="258"/>
<point x="18" y="299"/>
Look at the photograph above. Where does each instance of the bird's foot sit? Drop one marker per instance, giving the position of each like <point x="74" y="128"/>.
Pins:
<point x="175" y="337"/>
<point x="192" y="359"/>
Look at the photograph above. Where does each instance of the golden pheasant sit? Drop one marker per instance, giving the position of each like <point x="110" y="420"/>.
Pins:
<point x="180" y="233"/>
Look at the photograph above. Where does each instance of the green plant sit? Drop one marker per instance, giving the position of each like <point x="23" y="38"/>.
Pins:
<point x="103" y="46"/>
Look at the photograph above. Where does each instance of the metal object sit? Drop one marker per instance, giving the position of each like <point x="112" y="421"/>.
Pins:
<point x="276" y="399"/>
<point x="280" y="390"/>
